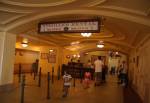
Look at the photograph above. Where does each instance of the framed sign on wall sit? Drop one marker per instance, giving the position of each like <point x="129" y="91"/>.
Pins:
<point x="52" y="56"/>
<point x="44" y="55"/>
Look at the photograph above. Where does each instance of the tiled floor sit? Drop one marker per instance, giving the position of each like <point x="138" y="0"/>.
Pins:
<point x="110" y="92"/>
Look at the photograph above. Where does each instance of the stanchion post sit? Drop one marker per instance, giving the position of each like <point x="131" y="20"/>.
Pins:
<point x="81" y="75"/>
<point x="74" y="82"/>
<point x="22" y="89"/>
<point x="39" y="82"/>
<point x="59" y="73"/>
<point x="52" y="74"/>
<point x="19" y="74"/>
<point x="34" y="75"/>
<point x="48" y="85"/>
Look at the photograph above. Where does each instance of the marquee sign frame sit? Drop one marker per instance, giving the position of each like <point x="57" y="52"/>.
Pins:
<point x="72" y="26"/>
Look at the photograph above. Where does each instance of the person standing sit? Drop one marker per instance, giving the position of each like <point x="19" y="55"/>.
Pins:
<point x="67" y="83"/>
<point x="87" y="79"/>
<point x="98" y="64"/>
<point x="124" y="74"/>
<point x="35" y="67"/>
<point x="104" y="72"/>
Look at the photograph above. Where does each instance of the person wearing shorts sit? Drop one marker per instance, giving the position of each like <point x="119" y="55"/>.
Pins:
<point x="67" y="78"/>
<point x="98" y="64"/>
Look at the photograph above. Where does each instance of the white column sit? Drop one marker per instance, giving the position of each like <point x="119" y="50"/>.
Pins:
<point x="7" y="56"/>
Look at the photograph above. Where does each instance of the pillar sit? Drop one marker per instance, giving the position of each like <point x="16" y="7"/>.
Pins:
<point x="7" y="56"/>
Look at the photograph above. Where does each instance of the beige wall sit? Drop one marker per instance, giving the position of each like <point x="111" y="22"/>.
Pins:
<point x="26" y="57"/>
<point x="43" y="63"/>
<point x="2" y="36"/>
<point x="140" y="74"/>
<point x="47" y="67"/>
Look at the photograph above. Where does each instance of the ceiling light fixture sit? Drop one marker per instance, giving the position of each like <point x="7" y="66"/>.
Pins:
<point x="86" y="34"/>
<point x="75" y="43"/>
<point x="117" y="53"/>
<point x="100" y="44"/>
<point x="86" y="53"/>
<point x="24" y="44"/>
<point x="78" y="55"/>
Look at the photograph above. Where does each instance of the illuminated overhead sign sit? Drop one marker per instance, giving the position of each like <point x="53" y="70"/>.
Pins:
<point x="74" y="26"/>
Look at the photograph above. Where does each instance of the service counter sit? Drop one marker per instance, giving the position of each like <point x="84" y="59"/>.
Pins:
<point x="76" y="72"/>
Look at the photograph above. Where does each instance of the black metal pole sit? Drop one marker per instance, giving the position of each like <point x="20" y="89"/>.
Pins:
<point x="31" y="71"/>
<point x="81" y="75"/>
<point x="74" y="75"/>
<point x="34" y="75"/>
<point x="52" y="74"/>
<point x="39" y="83"/>
<point x="74" y="82"/>
<point x="48" y="85"/>
<point x="19" y="74"/>
<point x="22" y="89"/>
<point x="59" y="73"/>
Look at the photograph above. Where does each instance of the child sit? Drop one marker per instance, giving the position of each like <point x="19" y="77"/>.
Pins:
<point x="87" y="78"/>
<point x="67" y="78"/>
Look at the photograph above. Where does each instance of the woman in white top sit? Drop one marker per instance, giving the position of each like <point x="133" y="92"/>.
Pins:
<point x="98" y="64"/>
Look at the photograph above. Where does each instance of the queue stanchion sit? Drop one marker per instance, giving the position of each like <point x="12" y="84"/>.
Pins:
<point x="74" y="82"/>
<point x="59" y="73"/>
<point x="74" y="79"/>
<point x="48" y="85"/>
<point x="22" y="89"/>
<point x="19" y="74"/>
<point x="34" y="75"/>
<point x="39" y="81"/>
<point x="52" y="74"/>
<point x="81" y="76"/>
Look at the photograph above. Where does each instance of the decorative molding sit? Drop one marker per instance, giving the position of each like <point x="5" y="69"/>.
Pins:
<point x="35" y="4"/>
<point x="12" y="10"/>
<point x="136" y="33"/>
<point x="148" y="12"/>
<point x="122" y="9"/>
<point x="143" y="41"/>
<point x="104" y="49"/>
<point x="114" y="14"/>
<point x="94" y="3"/>
<point x="11" y="19"/>
<point x="38" y="39"/>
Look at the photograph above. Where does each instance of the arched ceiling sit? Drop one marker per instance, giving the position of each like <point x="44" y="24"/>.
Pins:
<point x="126" y="22"/>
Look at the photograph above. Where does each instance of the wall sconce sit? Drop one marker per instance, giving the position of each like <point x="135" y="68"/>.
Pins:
<point x="68" y="56"/>
<point x="51" y="50"/>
